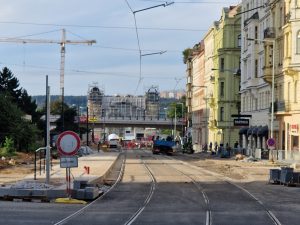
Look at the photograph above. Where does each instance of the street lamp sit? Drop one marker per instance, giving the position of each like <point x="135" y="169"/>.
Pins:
<point x="273" y="80"/>
<point x="179" y="103"/>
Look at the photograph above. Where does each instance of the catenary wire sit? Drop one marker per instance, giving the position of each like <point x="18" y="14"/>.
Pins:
<point x="102" y="27"/>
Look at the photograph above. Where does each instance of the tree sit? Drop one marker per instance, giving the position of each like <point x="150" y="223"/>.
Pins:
<point x="15" y="103"/>
<point x="69" y="117"/>
<point x="180" y="110"/>
<point x="186" y="54"/>
<point x="13" y="125"/>
<point x="9" y="84"/>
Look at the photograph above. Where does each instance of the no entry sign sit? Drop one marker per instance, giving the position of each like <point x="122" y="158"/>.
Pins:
<point x="271" y="142"/>
<point x="68" y="143"/>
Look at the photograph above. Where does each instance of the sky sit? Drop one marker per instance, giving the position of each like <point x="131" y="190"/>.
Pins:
<point x="124" y="60"/>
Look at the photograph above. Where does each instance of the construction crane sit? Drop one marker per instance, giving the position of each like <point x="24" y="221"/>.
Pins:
<point x="62" y="44"/>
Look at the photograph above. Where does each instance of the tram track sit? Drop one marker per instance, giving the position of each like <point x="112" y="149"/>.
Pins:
<point x="208" y="219"/>
<point x="152" y="193"/>
<point x="85" y="208"/>
<point x="269" y="213"/>
<point x="74" y="217"/>
<point x="147" y="200"/>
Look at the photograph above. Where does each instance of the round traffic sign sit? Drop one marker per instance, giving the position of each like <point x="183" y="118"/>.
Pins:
<point x="68" y="143"/>
<point x="271" y="142"/>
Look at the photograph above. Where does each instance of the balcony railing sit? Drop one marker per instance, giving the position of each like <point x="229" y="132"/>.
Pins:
<point x="269" y="32"/>
<point x="281" y="106"/>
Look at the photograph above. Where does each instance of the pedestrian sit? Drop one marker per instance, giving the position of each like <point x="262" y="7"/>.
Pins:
<point x="228" y="149"/>
<point x="210" y="146"/>
<point x="98" y="146"/>
<point x="216" y="147"/>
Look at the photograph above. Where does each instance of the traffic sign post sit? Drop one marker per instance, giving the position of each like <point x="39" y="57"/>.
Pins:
<point x="68" y="144"/>
<point x="271" y="145"/>
<point x="271" y="142"/>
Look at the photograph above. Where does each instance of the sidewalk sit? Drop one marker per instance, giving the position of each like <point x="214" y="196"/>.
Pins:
<point x="83" y="184"/>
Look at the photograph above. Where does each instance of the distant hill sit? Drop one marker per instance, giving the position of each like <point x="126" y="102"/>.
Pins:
<point x="70" y="100"/>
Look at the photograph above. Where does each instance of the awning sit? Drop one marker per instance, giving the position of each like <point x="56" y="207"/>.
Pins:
<point x="249" y="132"/>
<point x="243" y="130"/>
<point x="255" y="130"/>
<point x="263" y="131"/>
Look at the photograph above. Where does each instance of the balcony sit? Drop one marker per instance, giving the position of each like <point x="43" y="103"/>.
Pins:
<point x="281" y="106"/>
<point x="267" y="74"/>
<point x="269" y="32"/>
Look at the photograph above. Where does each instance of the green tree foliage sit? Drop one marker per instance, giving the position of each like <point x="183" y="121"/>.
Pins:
<point x="13" y="125"/>
<point x="15" y="103"/>
<point x="8" y="147"/>
<point x="69" y="117"/>
<point x="9" y="86"/>
<point x="180" y="110"/>
<point x="186" y="54"/>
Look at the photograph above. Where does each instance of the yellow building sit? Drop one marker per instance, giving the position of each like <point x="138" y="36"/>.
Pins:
<point x="288" y="101"/>
<point x="213" y="82"/>
<point x="224" y="99"/>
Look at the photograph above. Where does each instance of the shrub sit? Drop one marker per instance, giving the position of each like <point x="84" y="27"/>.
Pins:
<point x="8" y="147"/>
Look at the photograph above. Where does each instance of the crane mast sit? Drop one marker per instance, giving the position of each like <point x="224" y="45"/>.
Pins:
<point x="62" y="63"/>
<point x="63" y="42"/>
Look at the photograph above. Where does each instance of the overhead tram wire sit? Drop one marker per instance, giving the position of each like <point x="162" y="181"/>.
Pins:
<point x="165" y="4"/>
<point x="101" y="27"/>
<point x="189" y="2"/>
<point x="104" y="73"/>
<point x="139" y="46"/>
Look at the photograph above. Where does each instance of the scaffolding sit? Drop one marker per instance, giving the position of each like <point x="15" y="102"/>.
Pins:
<point x="152" y="101"/>
<point x="95" y="100"/>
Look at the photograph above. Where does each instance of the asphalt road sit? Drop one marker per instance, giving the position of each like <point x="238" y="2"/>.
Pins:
<point x="156" y="189"/>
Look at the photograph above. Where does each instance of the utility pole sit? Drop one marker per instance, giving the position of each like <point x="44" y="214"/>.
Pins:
<point x="87" y="126"/>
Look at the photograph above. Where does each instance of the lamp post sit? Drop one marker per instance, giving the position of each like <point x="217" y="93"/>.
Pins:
<point x="273" y="81"/>
<point x="87" y="126"/>
<point x="181" y="103"/>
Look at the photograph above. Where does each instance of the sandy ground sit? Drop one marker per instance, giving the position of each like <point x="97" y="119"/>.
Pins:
<point x="241" y="170"/>
<point x="244" y="170"/>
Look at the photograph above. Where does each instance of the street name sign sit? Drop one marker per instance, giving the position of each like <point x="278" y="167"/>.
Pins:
<point x="241" y="122"/>
<point x="68" y="143"/>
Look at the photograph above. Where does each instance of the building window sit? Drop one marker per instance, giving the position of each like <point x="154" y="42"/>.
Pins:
<point x="289" y="88"/>
<point x="256" y="68"/>
<point x="298" y="42"/>
<point x="222" y="64"/>
<point x="222" y="87"/>
<point x="295" y="92"/>
<point x="222" y="114"/>
<point x="256" y="32"/>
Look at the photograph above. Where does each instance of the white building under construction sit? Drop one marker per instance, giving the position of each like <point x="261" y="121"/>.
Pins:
<point x="123" y="106"/>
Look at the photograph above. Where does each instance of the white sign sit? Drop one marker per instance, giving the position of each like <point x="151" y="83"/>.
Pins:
<point x="68" y="143"/>
<point x="68" y="162"/>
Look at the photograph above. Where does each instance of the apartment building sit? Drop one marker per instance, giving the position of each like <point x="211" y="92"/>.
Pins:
<point x="256" y="72"/>
<point x="225" y="99"/>
<point x="213" y="82"/>
<point x="288" y="101"/>
<point x="274" y="54"/>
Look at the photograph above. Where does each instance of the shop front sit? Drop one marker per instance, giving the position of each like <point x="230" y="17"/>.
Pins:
<point x="253" y="137"/>
<point x="292" y="145"/>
